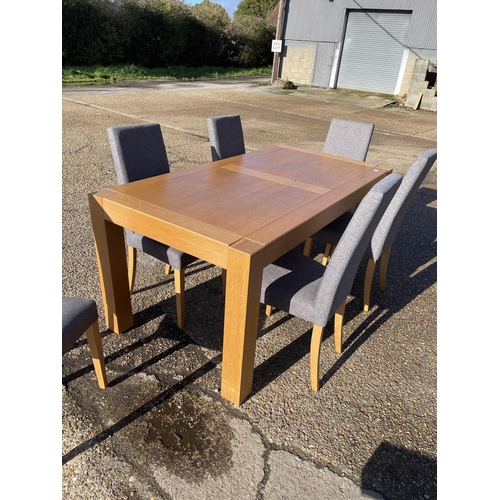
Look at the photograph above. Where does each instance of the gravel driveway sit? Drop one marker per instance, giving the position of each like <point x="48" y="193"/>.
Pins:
<point x="161" y="430"/>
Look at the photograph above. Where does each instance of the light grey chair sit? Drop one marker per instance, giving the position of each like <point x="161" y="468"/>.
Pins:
<point x="387" y="230"/>
<point x="304" y="288"/>
<point x="226" y="136"/>
<point x="139" y="153"/>
<point x="347" y="138"/>
<point x="79" y="316"/>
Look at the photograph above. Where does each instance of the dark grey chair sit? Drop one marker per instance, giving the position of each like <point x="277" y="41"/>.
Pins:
<point x="304" y="288"/>
<point x="79" y="316"/>
<point x="387" y="230"/>
<point x="139" y="153"/>
<point x="226" y="140"/>
<point x="226" y="136"/>
<point x="347" y="138"/>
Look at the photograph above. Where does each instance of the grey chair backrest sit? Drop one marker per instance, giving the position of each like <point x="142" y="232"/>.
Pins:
<point x="348" y="138"/>
<point x="341" y="270"/>
<point x="386" y="232"/>
<point x="226" y="136"/>
<point x="138" y="151"/>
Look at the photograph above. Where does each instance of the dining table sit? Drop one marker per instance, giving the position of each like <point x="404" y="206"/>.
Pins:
<point x="240" y="213"/>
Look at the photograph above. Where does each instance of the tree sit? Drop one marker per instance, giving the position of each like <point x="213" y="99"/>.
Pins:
<point x="251" y="38"/>
<point x="85" y="31"/>
<point x="212" y="14"/>
<point x="215" y="41"/>
<point x="259" y="8"/>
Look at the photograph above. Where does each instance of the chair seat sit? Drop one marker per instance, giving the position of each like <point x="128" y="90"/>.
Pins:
<point x="77" y="316"/>
<point x="291" y="284"/>
<point x="164" y="253"/>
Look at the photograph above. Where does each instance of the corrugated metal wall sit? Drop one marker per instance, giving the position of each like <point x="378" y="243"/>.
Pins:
<point x="323" y="21"/>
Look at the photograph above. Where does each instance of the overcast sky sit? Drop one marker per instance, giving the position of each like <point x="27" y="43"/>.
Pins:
<point x="229" y="5"/>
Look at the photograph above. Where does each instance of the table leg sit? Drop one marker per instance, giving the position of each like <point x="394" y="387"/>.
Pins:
<point x="241" y="317"/>
<point x="112" y="264"/>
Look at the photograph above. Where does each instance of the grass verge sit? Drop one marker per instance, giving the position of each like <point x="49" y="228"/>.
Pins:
<point x="110" y="74"/>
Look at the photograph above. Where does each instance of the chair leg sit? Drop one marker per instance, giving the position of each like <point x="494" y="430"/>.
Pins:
<point x="337" y="328"/>
<point x="317" y="335"/>
<point x="308" y="247"/>
<point x="269" y="310"/>
<point x="223" y="276"/>
<point x="132" y="264"/>
<point x="328" y="253"/>
<point x="383" y="268"/>
<point x="370" y="269"/>
<point x="179" y="296"/>
<point x="168" y="269"/>
<point x="94" y="340"/>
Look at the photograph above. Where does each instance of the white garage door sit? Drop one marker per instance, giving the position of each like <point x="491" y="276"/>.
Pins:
<point x="372" y="52"/>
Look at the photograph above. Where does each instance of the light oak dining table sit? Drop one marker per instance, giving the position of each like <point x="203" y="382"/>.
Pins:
<point x="241" y="214"/>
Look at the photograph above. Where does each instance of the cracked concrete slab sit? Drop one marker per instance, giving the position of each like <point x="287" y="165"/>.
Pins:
<point x="291" y="477"/>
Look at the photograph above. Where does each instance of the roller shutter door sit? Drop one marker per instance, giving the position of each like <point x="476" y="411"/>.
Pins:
<point x="372" y="52"/>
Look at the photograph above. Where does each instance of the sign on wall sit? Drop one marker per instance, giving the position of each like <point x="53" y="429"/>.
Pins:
<point x="276" y="46"/>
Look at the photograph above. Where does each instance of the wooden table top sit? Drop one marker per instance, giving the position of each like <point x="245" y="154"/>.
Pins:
<point x="259" y="197"/>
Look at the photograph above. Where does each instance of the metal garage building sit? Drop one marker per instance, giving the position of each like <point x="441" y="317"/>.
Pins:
<point x="370" y="45"/>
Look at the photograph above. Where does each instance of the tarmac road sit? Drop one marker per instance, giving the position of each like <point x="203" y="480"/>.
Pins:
<point x="161" y="430"/>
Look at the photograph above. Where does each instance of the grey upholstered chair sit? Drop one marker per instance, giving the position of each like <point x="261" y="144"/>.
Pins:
<point x="347" y="138"/>
<point x="79" y="316"/>
<point x="304" y="288"/>
<point x="387" y="230"/>
<point x="226" y="140"/>
<point x="226" y="136"/>
<point x="138" y="153"/>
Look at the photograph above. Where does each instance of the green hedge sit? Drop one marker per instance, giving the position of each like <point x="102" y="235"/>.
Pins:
<point x="161" y="33"/>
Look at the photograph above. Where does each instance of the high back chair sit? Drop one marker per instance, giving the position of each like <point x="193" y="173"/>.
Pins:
<point x="387" y="230"/>
<point x="226" y="139"/>
<point x="226" y="136"/>
<point x="79" y="316"/>
<point x="139" y="153"/>
<point x="347" y="138"/>
<point x="304" y="288"/>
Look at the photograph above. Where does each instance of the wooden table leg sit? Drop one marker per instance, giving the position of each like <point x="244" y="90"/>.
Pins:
<point x="112" y="264"/>
<point x="241" y="317"/>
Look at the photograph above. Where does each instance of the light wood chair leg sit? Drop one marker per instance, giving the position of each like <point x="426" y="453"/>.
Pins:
<point x="94" y="340"/>
<point x="179" y="296"/>
<point x="308" y="247"/>
<point x="132" y="265"/>
<point x="367" y="290"/>
<point x="223" y="276"/>
<point x="269" y="310"/>
<point x="316" y="337"/>
<point x="337" y="328"/>
<point x="168" y="269"/>
<point x="383" y="268"/>
<point x="328" y="253"/>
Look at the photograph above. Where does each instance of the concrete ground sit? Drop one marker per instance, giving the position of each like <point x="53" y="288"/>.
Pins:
<point x="161" y="430"/>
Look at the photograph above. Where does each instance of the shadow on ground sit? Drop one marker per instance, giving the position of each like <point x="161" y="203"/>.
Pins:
<point x="399" y="474"/>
